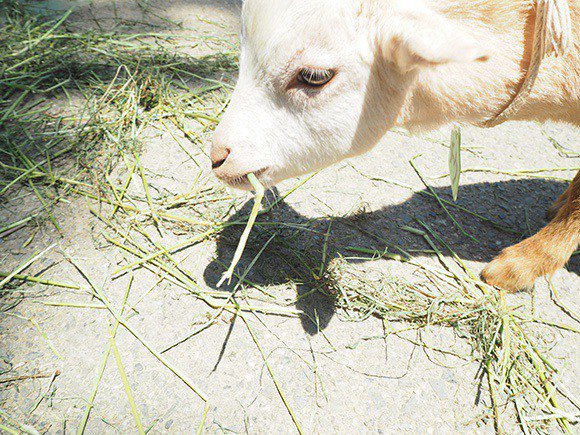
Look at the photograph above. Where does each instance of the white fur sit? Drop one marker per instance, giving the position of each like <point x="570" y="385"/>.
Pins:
<point x="412" y="63"/>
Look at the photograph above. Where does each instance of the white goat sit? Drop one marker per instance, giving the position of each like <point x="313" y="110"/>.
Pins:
<point x="323" y="80"/>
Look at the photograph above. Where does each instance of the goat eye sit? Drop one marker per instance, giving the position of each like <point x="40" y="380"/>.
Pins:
<point x="315" y="77"/>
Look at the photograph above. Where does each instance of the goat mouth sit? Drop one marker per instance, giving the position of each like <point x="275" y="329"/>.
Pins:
<point x="242" y="182"/>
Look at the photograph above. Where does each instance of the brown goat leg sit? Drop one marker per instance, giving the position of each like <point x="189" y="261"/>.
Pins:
<point x="558" y="204"/>
<point x="518" y="266"/>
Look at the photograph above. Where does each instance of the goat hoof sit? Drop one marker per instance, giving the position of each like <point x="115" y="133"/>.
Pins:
<point x="511" y="271"/>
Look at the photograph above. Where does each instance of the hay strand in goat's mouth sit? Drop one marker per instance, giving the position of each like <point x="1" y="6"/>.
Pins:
<point x="258" y="196"/>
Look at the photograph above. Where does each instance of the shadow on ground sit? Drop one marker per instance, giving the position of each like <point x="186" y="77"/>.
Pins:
<point x="296" y="252"/>
<point x="133" y="15"/>
<point x="51" y="121"/>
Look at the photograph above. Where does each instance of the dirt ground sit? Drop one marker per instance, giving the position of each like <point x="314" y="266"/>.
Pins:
<point x="337" y="375"/>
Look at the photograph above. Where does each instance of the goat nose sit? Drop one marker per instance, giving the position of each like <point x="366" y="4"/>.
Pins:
<point x="219" y="154"/>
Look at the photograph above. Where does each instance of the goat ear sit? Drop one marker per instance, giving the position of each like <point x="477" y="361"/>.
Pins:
<point x="429" y="39"/>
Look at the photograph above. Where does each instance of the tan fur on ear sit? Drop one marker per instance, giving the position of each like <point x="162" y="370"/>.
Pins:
<point x="429" y="39"/>
<point x="422" y="51"/>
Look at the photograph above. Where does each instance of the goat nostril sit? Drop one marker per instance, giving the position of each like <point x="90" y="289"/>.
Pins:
<point x="219" y="155"/>
<point x="217" y="164"/>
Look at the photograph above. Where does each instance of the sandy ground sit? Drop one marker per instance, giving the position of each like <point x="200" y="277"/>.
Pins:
<point x="338" y="376"/>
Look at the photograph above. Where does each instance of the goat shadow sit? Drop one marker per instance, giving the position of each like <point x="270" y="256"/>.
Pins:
<point x="298" y="247"/>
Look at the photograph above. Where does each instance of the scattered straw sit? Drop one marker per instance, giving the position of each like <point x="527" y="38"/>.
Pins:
<point x="517" y="369"/>
<point x="119" y="86"/>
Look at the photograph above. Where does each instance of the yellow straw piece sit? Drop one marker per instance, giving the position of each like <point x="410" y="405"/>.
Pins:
<point x="258" y="196"/>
